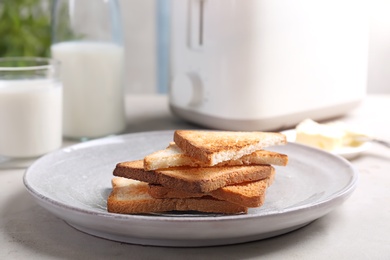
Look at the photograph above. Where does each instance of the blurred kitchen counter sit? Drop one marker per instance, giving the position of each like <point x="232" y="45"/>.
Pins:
<point x="359" y="229"/>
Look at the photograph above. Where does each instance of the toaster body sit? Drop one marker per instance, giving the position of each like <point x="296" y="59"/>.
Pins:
<point x="266" y="64"/>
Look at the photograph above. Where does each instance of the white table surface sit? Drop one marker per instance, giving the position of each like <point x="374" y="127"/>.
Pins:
<point x="359" y="229"/>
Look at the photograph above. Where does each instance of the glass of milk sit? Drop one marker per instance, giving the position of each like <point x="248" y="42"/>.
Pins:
<point x="30" y="107"/>
<point x="87" y="40"/>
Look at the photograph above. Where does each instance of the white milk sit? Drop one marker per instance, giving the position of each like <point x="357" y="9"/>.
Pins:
<point x="92" y="75"/>
<point x="30" y="117"/>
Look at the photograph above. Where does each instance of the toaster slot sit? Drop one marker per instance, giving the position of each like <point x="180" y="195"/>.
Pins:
<point x="196" y="24"/>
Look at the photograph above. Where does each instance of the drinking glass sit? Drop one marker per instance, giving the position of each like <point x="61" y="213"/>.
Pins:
<point x="87" y="40"/>
<point x="30" y="109"/>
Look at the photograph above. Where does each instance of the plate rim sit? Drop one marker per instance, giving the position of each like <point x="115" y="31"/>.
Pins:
<point x="347" y="190"/>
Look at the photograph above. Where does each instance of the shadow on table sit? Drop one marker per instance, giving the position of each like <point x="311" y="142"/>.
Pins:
<point x="31" y="228"/>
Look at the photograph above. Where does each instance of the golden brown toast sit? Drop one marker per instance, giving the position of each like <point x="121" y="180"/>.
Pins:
<point x="249" y="194"/>
<point x="173" y="156"/>
<point x="132" y="197"/>
<point x="192" y="179"/>
<point x="213" y="147"/>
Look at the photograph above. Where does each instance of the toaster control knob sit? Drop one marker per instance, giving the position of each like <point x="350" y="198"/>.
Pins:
<point x="186" y="90"/>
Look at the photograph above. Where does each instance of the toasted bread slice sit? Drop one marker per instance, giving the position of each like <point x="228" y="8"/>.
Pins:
<point x="173" y="156"/>
<point x="132" y="197"/>
<point x="213" y="147"/>
<point x="249" y="194"/>
<point x="192" y="179"/>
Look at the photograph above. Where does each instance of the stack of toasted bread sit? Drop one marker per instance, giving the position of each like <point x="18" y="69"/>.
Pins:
<point x="206" y="171"/>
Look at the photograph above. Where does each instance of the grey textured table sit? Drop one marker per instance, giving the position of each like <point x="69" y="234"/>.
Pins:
<point x="359" y="229"/>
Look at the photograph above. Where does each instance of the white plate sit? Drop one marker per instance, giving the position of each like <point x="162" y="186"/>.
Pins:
<point x="348" y="152"/>
<point x="74" y="183"/>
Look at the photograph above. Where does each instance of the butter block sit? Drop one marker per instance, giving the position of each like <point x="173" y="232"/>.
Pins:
<point x="326" y="137"/>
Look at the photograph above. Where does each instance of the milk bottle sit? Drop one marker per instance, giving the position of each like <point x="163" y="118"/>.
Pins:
<point x="92" y="76"/>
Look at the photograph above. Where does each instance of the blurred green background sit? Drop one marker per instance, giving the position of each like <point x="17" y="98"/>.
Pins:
<point x="25" y="28"/>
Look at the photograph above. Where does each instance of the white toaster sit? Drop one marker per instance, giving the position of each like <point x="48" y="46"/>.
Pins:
<point x="266" y="64"/>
